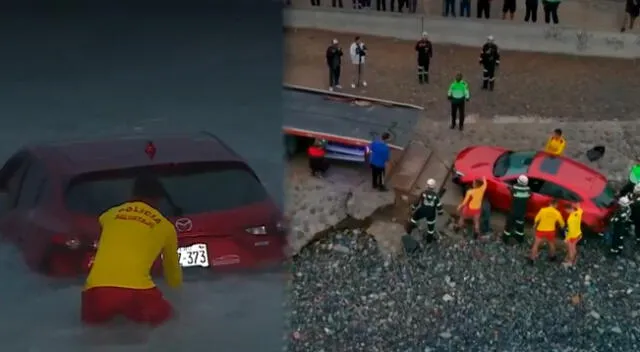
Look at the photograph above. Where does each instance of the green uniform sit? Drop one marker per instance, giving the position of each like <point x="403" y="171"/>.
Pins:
<point x="459" y="90"/>
<point x="515" y="221"/>
<point x="458" y="93"/>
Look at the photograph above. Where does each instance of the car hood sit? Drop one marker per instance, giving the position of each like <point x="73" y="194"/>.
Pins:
<point x="477" y="161"/>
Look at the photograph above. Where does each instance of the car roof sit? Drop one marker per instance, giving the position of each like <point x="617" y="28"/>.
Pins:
<point x="568" y="173"/>
<point x="126" y="151"/>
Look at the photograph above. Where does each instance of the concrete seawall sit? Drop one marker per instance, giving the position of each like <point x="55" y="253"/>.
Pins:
<point x="470" y="32"/>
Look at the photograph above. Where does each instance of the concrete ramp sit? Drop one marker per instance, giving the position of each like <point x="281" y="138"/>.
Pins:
<point x="408" y="176"/>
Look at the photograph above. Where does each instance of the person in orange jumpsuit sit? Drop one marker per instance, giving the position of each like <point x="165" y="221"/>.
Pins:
<point x="546" y="225"/>
<point x="134" y="235"/>
<point x="556" y="143"/>
<point x="574" y="234"/>
<point x="471" y="206"/>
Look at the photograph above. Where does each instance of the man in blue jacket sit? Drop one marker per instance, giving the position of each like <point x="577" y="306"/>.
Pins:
<point x="378" y="158"/>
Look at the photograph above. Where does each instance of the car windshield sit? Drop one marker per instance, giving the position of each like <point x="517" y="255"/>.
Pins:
<point x="606" y="198"/>
<point x="513" y="163"/>
<point x="191" y="188"/>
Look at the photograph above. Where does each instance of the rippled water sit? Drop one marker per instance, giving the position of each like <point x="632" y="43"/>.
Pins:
<point x="79" y="78"/>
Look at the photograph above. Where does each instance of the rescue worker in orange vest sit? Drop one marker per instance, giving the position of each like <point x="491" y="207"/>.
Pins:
<point x="546" y="225"/>
<point x="556" y="143"/>
<point x="133" y="235"/>
<point x="471" y="206"/>
<point x="317" y="161"/>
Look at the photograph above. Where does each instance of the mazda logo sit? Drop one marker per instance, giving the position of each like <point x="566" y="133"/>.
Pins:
<point x="184" y="225"/>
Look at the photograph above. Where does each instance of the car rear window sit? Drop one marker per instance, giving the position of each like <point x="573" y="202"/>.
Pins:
<point x="550" y="165"/>
<point x="606" y="198"/>
<point x="192" y="188"/>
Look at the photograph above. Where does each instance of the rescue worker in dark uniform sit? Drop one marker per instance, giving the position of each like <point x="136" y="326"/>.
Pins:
<point x="428" y="207"/>
<point x="619" y="224"/>
<point x="425" y="52"/>
<point x="520" y="194"/>
<point x="334" y="62"/>
<point x="490" y="60"/>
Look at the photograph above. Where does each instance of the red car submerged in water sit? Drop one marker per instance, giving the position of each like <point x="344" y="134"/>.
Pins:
<point x="549" y="177"/>
<point x="52" y="194"/>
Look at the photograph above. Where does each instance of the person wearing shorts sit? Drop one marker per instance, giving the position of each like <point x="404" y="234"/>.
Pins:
<point x="133" y="235"/>
<point x="471" y="206"/>
<point x="574" y="234"/>
<point x="509" y="6"/>
<point x="546" y="225"/>
<point x="632" y="10"/>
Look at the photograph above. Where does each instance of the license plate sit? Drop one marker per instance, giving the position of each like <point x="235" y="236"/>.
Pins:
<point x="194" y="255"/>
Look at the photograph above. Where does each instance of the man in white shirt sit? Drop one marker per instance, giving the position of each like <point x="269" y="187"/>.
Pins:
<point x="358" y="52"/>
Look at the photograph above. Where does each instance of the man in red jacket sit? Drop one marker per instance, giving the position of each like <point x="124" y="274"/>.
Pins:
<point x="317" y="162"/>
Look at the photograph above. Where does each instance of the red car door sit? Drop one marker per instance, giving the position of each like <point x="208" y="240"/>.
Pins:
<point x="499" y="192"/>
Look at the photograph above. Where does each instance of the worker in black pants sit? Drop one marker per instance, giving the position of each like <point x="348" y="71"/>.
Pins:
<point x="336" y="2"/>
<point x="315" y="2"/>
<point x="531" y="10"/>
<point x="458" y="94"/>
<point x="484" y="8"/>
<point x="550" y="8"/>
<point x="381" y="5"/>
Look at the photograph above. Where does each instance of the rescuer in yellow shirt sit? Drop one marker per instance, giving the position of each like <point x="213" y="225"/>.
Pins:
<point x="471" y="206"/>
<point x="134" y="235"/>
<point x="574" y="234"/>
<point x="546" y="226"/>
<point x="556" y="143"/>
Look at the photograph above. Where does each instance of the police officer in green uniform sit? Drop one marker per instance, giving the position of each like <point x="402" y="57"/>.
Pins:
<point x="619" y="224"/>
<point x="634" y="179"/>
<point x="520" y="194"/>
<point x="458" y="94"/>
<point x="428" y="207"/>
<point x="635" y="212"/>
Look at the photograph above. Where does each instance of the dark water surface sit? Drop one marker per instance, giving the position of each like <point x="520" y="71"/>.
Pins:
<point x="79" y="76"/>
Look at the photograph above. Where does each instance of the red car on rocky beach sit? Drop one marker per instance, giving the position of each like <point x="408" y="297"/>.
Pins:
<point x="52" y="194"/>
<point x="549" y="176"/>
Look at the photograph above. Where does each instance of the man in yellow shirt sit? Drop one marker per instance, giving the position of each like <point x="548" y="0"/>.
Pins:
<point x="471" y="206"/>
<point x="556" y="143"/>
<point x="574" y="234"/>
<point x="134" y="235"/>
<point x="546" y="226"/>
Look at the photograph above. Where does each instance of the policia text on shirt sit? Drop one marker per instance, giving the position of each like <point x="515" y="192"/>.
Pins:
<point x="458" y="94"/>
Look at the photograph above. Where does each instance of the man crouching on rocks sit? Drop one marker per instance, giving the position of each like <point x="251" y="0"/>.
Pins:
<point x="471" y="206"/>
<point x="429" y="208"/>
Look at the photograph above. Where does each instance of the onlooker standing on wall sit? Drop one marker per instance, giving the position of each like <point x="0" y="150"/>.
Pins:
<point x="401" y="5"/>
<point x="632" y="10"/>
<point x="334" y="61"/>
<point x="358" y="52"/>
<point x="531" y="10"/>
<point x="551" y="10"/>
<point x="449" y="6"/>
<point x="509" y="6"/>
<point x="315" y="2"/>
<point x="484" y="8"/>
<point x="336" y="3"/>
<point x="465" y="8"/>
<point x="381" y="5"/>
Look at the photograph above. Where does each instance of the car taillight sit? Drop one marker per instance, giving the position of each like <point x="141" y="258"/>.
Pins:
<point x="257" y="230"/>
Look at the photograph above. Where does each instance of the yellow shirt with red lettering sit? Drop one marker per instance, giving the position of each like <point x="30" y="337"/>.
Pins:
<point x="547" y="218"/>
<point x="574" y="223"/>
<point x="133" y="235"/>
<point x="555" y="145"/>
<point x="473" y="197"/>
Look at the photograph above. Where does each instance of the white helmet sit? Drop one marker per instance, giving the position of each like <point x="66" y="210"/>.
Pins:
<point x="636" y="189"/>
<point x="624" y="201"/>
<point x="523" y="180"/>
<point x="425" y="34"/>
<point x="490" y="38"/>
<point x="431" y="183"/>
<point x="334" y="41"/>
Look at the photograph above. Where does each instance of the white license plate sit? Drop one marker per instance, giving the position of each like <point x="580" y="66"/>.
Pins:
<point x="194" y="255"/>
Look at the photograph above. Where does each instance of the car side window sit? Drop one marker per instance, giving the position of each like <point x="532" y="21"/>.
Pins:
<point x="14" y="182"/>
<point x="556" y="191"/>
<point x="536" y="185"/>
<point x="32" y="186"/>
